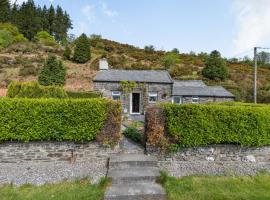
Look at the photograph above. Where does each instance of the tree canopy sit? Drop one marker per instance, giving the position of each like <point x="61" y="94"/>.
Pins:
<point x="30" y="19"/>
<point x="215" y="67"/>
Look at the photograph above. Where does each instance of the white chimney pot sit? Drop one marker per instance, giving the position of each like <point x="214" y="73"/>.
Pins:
<point x="103" y="64"/>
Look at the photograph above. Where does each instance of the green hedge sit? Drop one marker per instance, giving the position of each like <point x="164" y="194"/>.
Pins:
<point x="54" y="119"/>
<point x="194" y="125"/>
<point x="83" y="95"/>
<point x="34" y="90"/>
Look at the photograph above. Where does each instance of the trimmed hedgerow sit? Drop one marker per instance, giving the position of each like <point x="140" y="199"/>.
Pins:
<point x="34" y="90"/>
<point x="194" y="125"/>
<point x="83" y="95"/>
<point x="55" y="119"/>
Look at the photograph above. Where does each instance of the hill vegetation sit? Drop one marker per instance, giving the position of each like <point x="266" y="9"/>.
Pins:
<point x="22" y="57"/>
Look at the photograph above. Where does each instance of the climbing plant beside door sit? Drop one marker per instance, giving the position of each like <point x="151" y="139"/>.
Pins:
<point x="127" y="87"/>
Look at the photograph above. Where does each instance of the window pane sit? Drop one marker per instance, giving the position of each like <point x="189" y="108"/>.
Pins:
<point x="116" y="97"/>
<point x="152" y="99"/>
<point x="177" y="100"/>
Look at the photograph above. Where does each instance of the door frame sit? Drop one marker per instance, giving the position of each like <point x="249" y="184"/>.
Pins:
<point x="131" y="105"/>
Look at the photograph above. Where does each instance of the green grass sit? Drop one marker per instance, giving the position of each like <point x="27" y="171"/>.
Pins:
<point x="78" y="190"/>
<point x="217" y="187"/>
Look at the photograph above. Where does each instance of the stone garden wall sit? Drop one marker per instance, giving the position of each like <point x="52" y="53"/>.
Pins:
<point x="48" y="162"/>
<point x="214" y="160"/>
<point x="15" y="152"/>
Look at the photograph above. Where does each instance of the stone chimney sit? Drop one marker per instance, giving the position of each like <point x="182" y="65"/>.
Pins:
<point x="103" y="64"/>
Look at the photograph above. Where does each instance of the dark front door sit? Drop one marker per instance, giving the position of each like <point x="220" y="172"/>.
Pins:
<point x="135" y="102"/>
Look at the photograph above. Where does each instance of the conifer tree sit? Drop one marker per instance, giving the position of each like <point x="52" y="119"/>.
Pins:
<point x="216" y="68"/>
<point x="51" y="20"/>
<point x="82" y="49"/>
<point x="5" y="11"/>
<point x="53" y="72"/>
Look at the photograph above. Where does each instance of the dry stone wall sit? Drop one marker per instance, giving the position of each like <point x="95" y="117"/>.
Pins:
<point x="214" y="160"/>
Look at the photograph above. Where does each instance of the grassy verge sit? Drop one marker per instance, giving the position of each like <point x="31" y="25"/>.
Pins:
<point x="217" y="187"/>
<point x="78" y="190"/>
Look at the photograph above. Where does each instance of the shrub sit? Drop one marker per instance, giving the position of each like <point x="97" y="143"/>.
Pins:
<point x="83" y="95"/>
<point x="45" y="38"/>
<point x="54" y="119"/>
<point x="194" y="125"/>
<point x="133" y="134"/>
<point x="215" y="67"/>
<point x="155" y="127"/>
<point x="5" y="38"/>
<point x="67" y="53"/>
<point x="82" y="50"/>
<point x="53" y="72"/>
<point x="169" y="60"/>
<point x="34" y="90"/>
<point x="111" y="132"/>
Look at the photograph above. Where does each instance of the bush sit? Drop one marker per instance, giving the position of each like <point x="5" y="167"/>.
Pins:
<point x="34" y="90"/>
<point x="45" y="38"/>
<point x="83" y="95"/>
<point x="215" y="68"/>
<point x="169" y="60"/>
<point x="53" y="72"/>
<point x="194" y="125"/>
<point x="67" y="53"/>
<point x="82" y="50"/>
<point x="54" y="119"/>
<point x="133" y="134"/>
<point x="5" y="39"/>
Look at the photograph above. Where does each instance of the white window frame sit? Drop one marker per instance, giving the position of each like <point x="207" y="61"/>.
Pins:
<point x="195" y="100"/>
<point x="152" y="94"/>
<point x="116" y="94"/>
<point x="181" y="99"/>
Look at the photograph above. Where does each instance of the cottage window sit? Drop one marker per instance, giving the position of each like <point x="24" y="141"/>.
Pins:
<point x="116" y="95"/>
<point x="152" y="97"/>
<point x="177" y="100"/>
<point x="195" y="99"/>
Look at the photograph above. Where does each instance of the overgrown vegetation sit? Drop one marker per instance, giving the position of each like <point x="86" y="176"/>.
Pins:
<point x="80" y="189"/>
<point x="34" y="90"/>
<point x="217" y="187"/>
<point x="59" y="120"/>
<point x="195" y="125"/>
<point x="133" y="134"/>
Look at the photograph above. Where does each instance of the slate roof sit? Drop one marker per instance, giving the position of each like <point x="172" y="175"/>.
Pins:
<point x="198" y="88"/>
<point x="146" y="76"/>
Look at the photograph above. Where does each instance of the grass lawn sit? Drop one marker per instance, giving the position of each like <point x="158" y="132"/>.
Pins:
<point x="78" y="190"/>
<point x="217" y="187"/>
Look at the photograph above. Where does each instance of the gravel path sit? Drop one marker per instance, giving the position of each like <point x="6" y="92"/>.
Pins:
<point x="51" y="172"/>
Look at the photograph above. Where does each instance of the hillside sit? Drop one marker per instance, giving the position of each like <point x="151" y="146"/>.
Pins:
<point x="22" y="62"/>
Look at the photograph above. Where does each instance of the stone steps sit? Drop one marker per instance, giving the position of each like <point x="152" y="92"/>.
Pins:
<point x="142" y="191"/>
<point x="133" y="175"/>
<point x="132" y="160"/>
<point x="134" y="178"/>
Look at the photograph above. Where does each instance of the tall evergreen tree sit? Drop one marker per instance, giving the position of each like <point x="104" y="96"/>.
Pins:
<point x="45" y="20"/>
<point x="29" y="22"/>
<point x="59" y="26"/>
<point x="51" y="20"/>
<point x="5" y="10"/>
<point x="82" y="50"/>
<point x="216" y="68"/>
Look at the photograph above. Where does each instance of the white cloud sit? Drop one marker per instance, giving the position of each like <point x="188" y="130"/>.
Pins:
<point x="107" y="11"/>
<point x="89" y="13"/>
<point x="252" y="24"/>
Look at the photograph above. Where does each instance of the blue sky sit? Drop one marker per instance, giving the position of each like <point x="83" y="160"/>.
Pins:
<point x="189" y="25"/>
